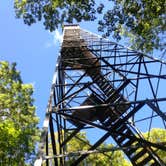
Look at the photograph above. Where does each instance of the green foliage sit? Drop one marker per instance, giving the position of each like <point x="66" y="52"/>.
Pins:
<point x="110" y="158"/>
<point x="54" y="12"/>
<point x="142" y="21"/>
<point x="17" y="118"/>
<point x="158" y="135"/>
<point x="81" y="143"/>
<point x="114" y="158"/>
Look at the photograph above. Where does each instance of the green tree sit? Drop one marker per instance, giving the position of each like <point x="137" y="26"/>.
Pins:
<point x="142" y="21"/>
<point x="18" y="122"/>
<point x="80" y="144"/>
<point x="157" y="135"/>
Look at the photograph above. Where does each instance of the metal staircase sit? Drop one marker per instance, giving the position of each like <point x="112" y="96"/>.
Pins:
<point x="97" y="85"/>
<point x="122" y="130"/>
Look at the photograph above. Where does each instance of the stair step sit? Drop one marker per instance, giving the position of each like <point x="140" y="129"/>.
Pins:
<point x="117" y="91"/>
<point x="144" y="161"/>
<point x="122" y="138"/>
<point x="113" y="97"/>
<point x="118" y="101"/>
<point x="105" y="85"/>
<point x="107" y="122"/>
<point x="139" y="154"/>
<point x="121" y="128"/>
<point x="110" y="92"/>
<point x="130" y="151"/>
<point x="128" y="143"/>
<point x="118" y="97"/>
<point x="113" y="118"/>
<point x="106" y="89"/>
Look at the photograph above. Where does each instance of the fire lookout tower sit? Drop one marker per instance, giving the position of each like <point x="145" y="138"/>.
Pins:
<point x="101" y="84"/>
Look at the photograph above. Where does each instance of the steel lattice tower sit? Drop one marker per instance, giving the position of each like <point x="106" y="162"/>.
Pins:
<point x="101" y="84"/>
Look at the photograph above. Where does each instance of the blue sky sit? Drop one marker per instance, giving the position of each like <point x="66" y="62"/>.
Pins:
<point x="34" y="49"/>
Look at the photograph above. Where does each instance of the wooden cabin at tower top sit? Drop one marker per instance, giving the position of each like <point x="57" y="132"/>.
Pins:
<point x="75" y="51"/>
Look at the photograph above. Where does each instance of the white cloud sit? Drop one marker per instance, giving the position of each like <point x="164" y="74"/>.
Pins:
<point x="57" y="37"/>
